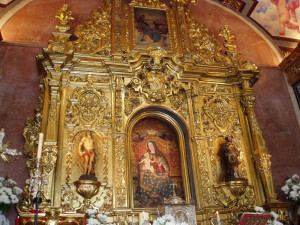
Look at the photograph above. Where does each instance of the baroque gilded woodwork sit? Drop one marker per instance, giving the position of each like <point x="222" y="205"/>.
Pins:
<point x="120" y="176"/>
<point x="218" y="112"/>
<point x="94" y="35"/>
<point x="87" y="105"/>
<point x="104" y="83"/>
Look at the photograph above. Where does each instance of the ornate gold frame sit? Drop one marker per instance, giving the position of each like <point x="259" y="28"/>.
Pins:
<point x="184" y="166"/>
<point x="171" y="32"/>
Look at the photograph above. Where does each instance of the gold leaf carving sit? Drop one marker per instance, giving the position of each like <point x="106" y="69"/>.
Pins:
<point x="120" y="171"/>
<point x="118" y="110"/>
<point x="263" y="163"/>
<point x="148" y="3"/>
<point x="119" y="28"/>
<point x="105" y="158"/>
<point x="204" y="49"/>
<point x="60" y="43"/>
<point x="69" y="163"/>
<point x="154" y="79"/>
<point x="179" y="102"/>
<point x="237" y="197"/>
<point x="218" y="111"/>
<point x="232" y="56"/>
<point x="202" y="160"/>
<point x="64" y="16"/>
<point x="132" y="100"/>
<point x="50" y="154"/>
<point x="33" y="126"/>
<point x="67" y="197"/>
<point x="248" y="102"/>
<point x="89" y="78"/>
<point x="108" y="199"/>
<point x="94" y="35"/>
<point x="196" y="112"/>
<point x="87" y="105"/>
<point x="214" y="88"/>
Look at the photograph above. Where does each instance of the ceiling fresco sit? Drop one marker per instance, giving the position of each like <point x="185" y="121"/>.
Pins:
<point x="280" y="18"/>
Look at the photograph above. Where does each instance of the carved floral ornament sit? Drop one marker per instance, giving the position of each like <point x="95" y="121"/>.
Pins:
<point x="218" y="111"/>
<point x="154" y="80"/>
<point x="87" y="105"/>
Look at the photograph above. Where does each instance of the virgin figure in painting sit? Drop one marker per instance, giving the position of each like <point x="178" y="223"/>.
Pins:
<point x="155" y="183"/>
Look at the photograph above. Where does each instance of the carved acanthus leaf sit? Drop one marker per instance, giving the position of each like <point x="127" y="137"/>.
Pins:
<point x="94" y="35"/>
<point x="33" y="126"/>
<point x="205" y="49"/>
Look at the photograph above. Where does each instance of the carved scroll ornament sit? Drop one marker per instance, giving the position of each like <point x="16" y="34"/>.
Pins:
<point x="87" y="105"/>
<point x="94" y="35"/>
<point x="217" y="113"/>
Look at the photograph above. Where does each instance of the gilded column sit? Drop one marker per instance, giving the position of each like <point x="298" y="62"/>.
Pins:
<point x="261" y="155"/>
<point x="120" y="186"/>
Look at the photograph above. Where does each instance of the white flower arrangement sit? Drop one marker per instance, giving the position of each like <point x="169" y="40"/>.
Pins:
<point x="274" y="216"/>
<point x="95" y="218"/>
<point x="4" y="150"/>
<point x="9" y="193"/>
<point x="292" y="189"/>
<point x="167" y="220"/>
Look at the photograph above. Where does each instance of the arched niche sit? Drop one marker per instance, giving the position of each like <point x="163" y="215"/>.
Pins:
<point x="155" y="121"/>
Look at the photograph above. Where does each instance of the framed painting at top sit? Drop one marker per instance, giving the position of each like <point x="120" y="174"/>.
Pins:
<point x="151" y="28"/>
<point x="280" y="18"/>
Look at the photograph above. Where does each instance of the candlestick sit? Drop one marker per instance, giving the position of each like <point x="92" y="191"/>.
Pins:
<point x="40" y="146"/>
<point x="218" y="218"/>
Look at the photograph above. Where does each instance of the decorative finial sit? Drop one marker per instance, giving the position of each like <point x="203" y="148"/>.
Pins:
<point x="229" y="37"/>
<point x="64" y="16"/>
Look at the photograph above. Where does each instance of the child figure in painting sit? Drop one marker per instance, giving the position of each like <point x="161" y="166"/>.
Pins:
<point x="147" y="163"/>
<point x="283" y="8"/>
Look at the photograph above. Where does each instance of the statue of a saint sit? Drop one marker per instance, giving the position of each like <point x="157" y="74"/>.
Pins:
<point x="86" y="151"/>
<point x="230" y="161"/>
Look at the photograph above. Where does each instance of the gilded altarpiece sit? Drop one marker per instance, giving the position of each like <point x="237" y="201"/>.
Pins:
<point x="101" y="85"/>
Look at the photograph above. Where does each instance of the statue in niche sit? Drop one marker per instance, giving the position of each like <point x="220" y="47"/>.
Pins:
<point x="230" y="161"/>
<point x="86" y="151"/>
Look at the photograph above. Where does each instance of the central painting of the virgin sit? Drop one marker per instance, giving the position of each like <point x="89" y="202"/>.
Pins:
<point x="156" y="164"/>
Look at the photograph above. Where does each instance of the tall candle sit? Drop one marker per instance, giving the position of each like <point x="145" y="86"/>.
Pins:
<point x="40" y="146"/>
<point x="218" y="218"/>
<point x="143" y="217"/>
<point x="133" y="219"/>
